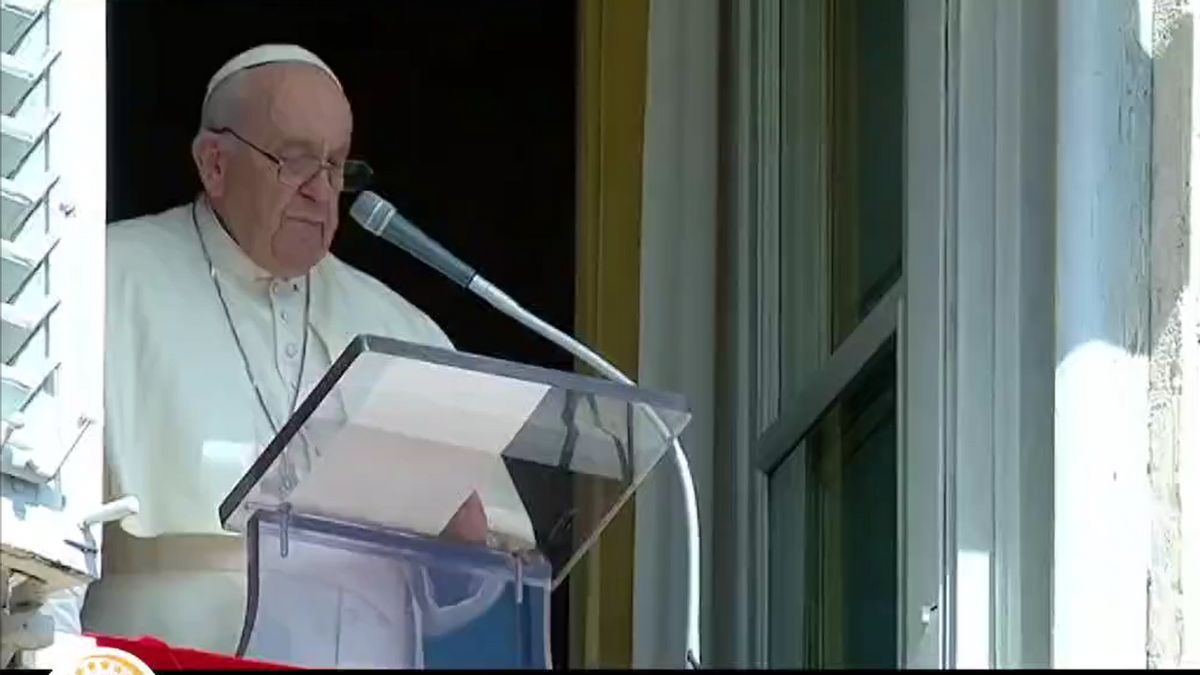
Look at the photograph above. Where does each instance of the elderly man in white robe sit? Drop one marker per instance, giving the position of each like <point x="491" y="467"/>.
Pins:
<point x="222" y="314"/>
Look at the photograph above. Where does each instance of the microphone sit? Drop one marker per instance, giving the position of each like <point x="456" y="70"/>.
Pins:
<point x="379" y="217"/>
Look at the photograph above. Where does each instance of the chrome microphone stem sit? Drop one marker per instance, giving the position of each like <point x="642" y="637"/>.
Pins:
<point x="505" y="304"/>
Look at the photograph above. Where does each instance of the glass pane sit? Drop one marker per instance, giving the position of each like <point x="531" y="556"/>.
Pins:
<point x="437" y="427"/>
<point x="866" y="163"/>
<point x="786" y="643"/>
<point x="832" y="546"/>
<point x="803" y="148"/>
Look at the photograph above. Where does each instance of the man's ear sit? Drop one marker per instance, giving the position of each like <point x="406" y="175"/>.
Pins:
<point x="210" y="162"/>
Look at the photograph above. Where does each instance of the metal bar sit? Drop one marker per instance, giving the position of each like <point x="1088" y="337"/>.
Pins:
<point x="798" y="416"/>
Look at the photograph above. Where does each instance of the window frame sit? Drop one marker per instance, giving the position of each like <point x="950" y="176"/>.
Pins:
<point x="753" y="387"/>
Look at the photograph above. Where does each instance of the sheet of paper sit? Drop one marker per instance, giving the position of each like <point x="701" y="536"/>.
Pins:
<point x="396" y="480"/>
<point x="444" y="405"/>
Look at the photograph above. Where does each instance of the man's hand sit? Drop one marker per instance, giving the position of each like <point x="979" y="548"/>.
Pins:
<point x="469" y="524"/>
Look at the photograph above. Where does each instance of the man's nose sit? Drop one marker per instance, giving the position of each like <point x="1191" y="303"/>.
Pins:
<point x="320" y="187"/>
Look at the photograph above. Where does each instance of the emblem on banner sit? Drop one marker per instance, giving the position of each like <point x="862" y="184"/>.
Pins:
<point x="105" y="661"/>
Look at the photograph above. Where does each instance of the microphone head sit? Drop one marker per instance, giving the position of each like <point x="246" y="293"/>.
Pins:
<point x="380" y="218"/>
<point x="371" y="211"/>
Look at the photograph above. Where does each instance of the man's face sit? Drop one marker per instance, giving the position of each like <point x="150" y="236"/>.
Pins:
<point x="291" y="111"/>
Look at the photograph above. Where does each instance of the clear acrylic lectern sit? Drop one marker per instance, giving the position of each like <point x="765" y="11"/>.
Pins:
<point x="343" y="512"/>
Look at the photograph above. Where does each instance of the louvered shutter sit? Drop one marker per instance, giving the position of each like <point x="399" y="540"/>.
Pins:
<point x="52" y="181"/>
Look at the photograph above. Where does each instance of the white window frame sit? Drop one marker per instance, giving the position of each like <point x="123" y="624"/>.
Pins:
<point x="973" y="318"/>
<point x="995" y="266"/>
<point x="753" y="387"/>
<point x="923" y="362"/>
<point x="679" y="251"/>
<point x="978" y="274"/>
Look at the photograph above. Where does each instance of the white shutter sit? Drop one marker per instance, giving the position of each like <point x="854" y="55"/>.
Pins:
<point x="52" y="183"/>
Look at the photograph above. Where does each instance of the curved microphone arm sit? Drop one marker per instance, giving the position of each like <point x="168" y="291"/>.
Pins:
<point x="501" y="301"/>
<point x="380" y="217"/>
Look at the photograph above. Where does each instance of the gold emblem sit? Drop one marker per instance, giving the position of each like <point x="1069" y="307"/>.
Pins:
<point x="105" y="661"/>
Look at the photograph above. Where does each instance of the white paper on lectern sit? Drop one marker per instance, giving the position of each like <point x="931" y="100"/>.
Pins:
<point x="410" y="449"/>
<point x="435" y="402"/>
<point x="397" y="481"/>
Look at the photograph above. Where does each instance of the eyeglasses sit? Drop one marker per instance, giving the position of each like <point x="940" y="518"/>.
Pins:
<point x="295" y="172"/>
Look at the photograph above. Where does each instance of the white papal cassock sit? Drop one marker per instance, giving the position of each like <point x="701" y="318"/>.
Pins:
<point x="182" y="420"/>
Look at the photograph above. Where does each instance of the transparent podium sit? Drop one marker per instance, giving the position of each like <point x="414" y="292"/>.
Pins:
<point x="345" y="513"/>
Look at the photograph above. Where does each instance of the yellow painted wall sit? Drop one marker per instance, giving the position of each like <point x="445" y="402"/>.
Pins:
<point x="612" y="100"/>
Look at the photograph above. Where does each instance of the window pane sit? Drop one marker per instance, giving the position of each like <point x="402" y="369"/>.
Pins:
<point x="804" y="214"/>
<point x="866" y="40"/>
<point x="786" y="639"/>
<point x="832" y="549"/>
